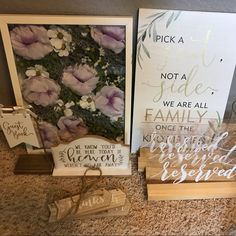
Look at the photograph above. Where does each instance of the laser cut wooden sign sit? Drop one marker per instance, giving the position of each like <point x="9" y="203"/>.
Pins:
<point x="75" y="157"/>
<point x="18" y="128"/>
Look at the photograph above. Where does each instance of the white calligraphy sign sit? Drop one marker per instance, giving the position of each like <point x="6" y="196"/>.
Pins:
<point x="201" y="161"/>
<point x="18" y="128"/>
<point x="75" y="157"/>
<point x="183" y="71"/>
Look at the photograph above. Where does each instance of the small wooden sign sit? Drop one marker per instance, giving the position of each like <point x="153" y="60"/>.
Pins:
<point x="18" y="128"/>
<point x="100" y="203"/>
<point x="117" y="211"/>
<point x="75" y="157"/>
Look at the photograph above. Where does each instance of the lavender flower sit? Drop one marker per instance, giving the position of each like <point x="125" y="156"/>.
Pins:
<point x="40" y="90"/>
<point x="111" y="37"/>
<point x="110" y="101"/>
<point x="49" y="134"/>
<point x="71" y="128"/>
<point x="30" y="42"/>
<point x="80" y="78"/>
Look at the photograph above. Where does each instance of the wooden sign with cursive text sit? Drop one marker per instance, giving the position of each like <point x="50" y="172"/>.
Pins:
<point x="18" y="128"/>
<point x="75" y="157"/>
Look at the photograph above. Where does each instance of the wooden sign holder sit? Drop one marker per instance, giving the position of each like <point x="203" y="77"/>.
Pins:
<point x="34" y="164"/>
<point x="188" y="191"/>
<point x="41" y="163"/>
<point x="159" y="190"/>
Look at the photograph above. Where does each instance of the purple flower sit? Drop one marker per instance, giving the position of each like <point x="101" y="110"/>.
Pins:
<point x="110" y="101"/>
<point x="30" y="42"/>
<point x="111" y="37"/>
<point x="81" y="79"/>
<point x="49" y="134"/>
<point x="71" y="128"/>
<point x="40" y="90"/>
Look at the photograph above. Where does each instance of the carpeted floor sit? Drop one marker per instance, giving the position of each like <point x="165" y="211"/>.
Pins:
<point x="23" y="207"/>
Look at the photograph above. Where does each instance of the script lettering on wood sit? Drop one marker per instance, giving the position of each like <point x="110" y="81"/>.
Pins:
<point x="75" y="157"/>
<point x="18" y="128"/>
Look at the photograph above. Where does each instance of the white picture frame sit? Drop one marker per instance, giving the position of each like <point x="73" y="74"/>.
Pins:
<point x="97" y="51"/>
<point x="126" y="22"/>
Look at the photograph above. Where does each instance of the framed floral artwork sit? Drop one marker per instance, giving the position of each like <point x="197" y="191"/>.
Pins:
<point x="75" y="71"/>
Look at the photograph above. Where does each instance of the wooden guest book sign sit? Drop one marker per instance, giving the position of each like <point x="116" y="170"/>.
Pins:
<point x="18" y="128"/>
<point x="19" y="125"/>
<point x="183" y="77"/>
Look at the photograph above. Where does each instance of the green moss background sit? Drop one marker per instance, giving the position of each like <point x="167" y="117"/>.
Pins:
<point x="85" y="47"/>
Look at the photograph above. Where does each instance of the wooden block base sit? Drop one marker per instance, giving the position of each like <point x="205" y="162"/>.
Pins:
<point x="34" y="164"/>
<point x="188" y="191"/>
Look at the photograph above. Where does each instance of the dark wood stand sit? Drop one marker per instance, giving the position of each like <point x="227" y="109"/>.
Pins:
<point x="34" y="164"/>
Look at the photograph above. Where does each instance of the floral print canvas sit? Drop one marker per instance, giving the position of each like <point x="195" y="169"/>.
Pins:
<point x="74" y="78"/>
